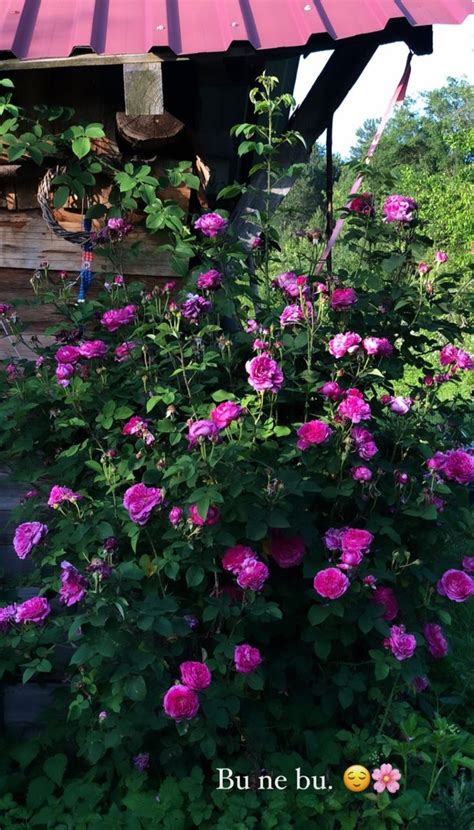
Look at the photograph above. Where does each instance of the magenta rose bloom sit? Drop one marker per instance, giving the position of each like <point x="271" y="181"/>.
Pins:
<point x="361" y="474"/>
<point x="401" y="645"/>
<point x="464" y="360"/>
<point x="194" y="306"/>
<point x="195" y="675"/>
<point x="59" y="494"/>
<point x="140" y="502"/>
<point x="211" y="224"/>
<point x="441" y="256"/>
<point x="290" y="285"/>
<point x="33" y="610"/>
<point x="364" y="442"/>
<point x="124" y="351"/>
<point x="343" y="344"/>
<point x="175" y="516"/>
<point x="203" y="429"/>
<point x="212" y="518"/>
<point x="252" y="575"/>
<point x="458" y="466"/>
<point x="264" y="374"/>
<point x="363" y="204"/>
<point x="399" y="208"/>
<point x="291" y="315"/>
<point x="210" y="280"/>
<point x="313" y="432"/>
<point x="27" y="535"/>
<point x="287" y="551"/>
<point x="331" y="390"/>
<point x="333" y="538"/>
<point x="93" y="348"/>
<point x="456" y="585"/>
<point x="64" y="373"/>
<point x="354" y="539"/>
<point x="354" y="407"/>
<point x="73" y="584"/>
<point x="420" y="684"/>
<point x="68" y="354"/>
<point x="235" y="557"/>
<point x="342" y="298"/>
<point x="181" y="703"/>
<point x="437" y="644"/>
<point x="115" y="318"/>
<point x="7" y="617"/>
<point x="400" y="405"/>
<point x="330" y="583"/>
<point x="468" y="564"/>
<point x="139" y="427"/>
<point x="377" y="346"/>
<point x="246" y="658"/>
<point x="384" y="595"/>
<point x="226" y="412"/>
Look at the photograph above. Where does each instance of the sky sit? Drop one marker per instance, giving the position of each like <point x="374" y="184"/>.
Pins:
<point x="369" y="97"/>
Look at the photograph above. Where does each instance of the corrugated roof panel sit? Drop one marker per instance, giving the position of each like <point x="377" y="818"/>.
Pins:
<point x="55" y="28"/>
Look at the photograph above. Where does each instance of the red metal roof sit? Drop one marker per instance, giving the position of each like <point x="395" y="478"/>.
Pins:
<point x="56" y="28"/>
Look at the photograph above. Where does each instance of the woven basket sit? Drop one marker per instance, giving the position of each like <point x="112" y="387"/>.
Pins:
<point x="44" y="201"/>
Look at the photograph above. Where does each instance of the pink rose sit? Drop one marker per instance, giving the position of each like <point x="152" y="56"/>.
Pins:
<point x="27" y="535"/>
<point x="175" y="516"/>
<point x="330" y="583"/>
<point x="264" y="374"/>
<point x="235" y="557"/>
<point x="362" y="204"/>
<point x="73" y="584"/>
<point x="361" y="474"/>
<point x="210" y="280"/>
<point x="420" y="684"/>
<point x="7" y="617"/>
<point x="400" y="405"/>
<point x="458" y="358"/>
<point x="203" y="429"/>
<point x="401" y="645"/>
<point x="441" y="256"/>
<point x="117" y="317"/>
<point x="384" y="595"/>
<point x="139" y="427"/>
<point x="194" y="307"/>
<point x="468" y="564"/>
<point x="423" y="268"/>
<point x="456" y="585"/>
<point x="140" y="501"/>
<point x="331" y="390"/>
<point x="33" y="610"/>
<point x="59" y="494"/>
<point x="68" y="354"/>
<point x="343" y="344"/>
<point x="364" y="443"/>
<point x="252" y="575"/>
<point x="377" y="346"/>
<point x="353" y="539"/>
<point x="455" y="465"/>
<point x="181" y="703"/>
<point x="287" y="551"/>
<point x="342" y="298"/>
<point x="333" y="538"/>
<point x="195" y="675"/>
<point x="64" y="373"/>
<point x="211" y="224"/>
<point x="93" y="348"/>
<point x="251" y="326"/>
<point x="226" y="412"/>
<point x="399" y="209"/>
<point x="436" y="641"/>
<point x="354" y="407"/>
<point x="212" y="518"/>
<point x="246" y="658"/>
<point x="288" y="283"/>
<point x="291" y="315"/>
<point x="124" y="351"/>
<point x="313" y="432"/>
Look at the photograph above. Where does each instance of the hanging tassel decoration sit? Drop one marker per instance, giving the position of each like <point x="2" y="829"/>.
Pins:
<point x="85" y="276"/>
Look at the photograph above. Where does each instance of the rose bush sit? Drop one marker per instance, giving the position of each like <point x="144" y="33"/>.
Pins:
<point x="231" y="588"/>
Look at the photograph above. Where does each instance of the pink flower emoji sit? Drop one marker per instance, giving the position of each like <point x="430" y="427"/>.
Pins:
<point x="343" y="344"/>
<point x="73" y="584"/>
<point x="354" y="408"/>
<point x="436" y="642"/>
<point x="140" y="502"/>
<point x="401" y="644"/>
<point x="457" y="586"/>
<point x="226" y="412"/>
<point x="441" y="256"/>
<point x="210" y="280"/>
<point x="252" y="575"/>
<point x="311" y="433"/>
<point x="235" y="557"/>
<point x="287" y="551"/>
<point x="331" y="390"/>
<point x="27" y="536"/>
<point x="386" y="778"/>
<point x="342" y="298"/>
<point x="203" y="429"/>
<point x="330" y="583"/>
<point x="361" y="474"/>
<point x="93" y="348"/>
<point x="384" y="595"/>
<point x="246" y="658"/>
<point x="195" y="675"/>
<point x="211" y="224"/>
<point x="399" y="208"/>
<point x="33" y="610"/>
<point x="181" y="703"/>
<point x="264" y="374"/>
<point x="212" y="518"/>
<point x="59" y="494"/>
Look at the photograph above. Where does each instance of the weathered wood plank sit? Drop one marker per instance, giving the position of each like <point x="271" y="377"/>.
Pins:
<point x="143" y="88"/>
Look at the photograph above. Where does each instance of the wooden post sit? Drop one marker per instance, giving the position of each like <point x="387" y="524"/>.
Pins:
<point x="143" y="88"/>
<point x="329" y="189"/>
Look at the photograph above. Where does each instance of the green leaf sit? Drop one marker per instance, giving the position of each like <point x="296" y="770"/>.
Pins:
<point x="6" y="82"/>
<point x="346" y="696"/>
<point x="135" y="688"/>
<point x="55" y="767"/>
<point x="317" y="614"/>
<point x="194" y="576"/>
<point x="61" y="196"/>
<point x="81" y="146"/>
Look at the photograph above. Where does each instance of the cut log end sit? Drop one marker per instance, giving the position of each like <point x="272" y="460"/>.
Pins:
<point x="148" y="132"/>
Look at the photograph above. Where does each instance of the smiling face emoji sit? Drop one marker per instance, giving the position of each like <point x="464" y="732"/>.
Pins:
<point x="356" y="778"/>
